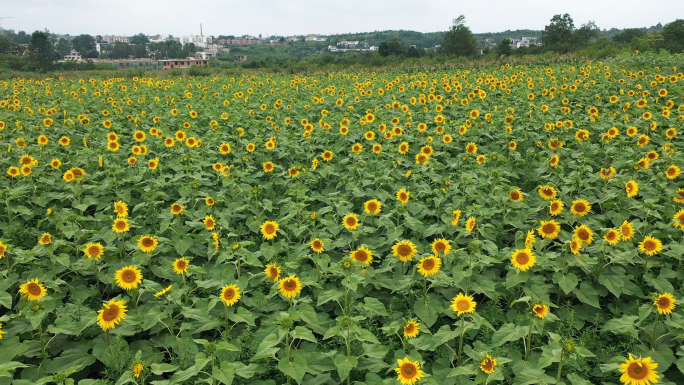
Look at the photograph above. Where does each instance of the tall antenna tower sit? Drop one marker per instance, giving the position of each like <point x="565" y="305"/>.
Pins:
<point x="201" y="34"/>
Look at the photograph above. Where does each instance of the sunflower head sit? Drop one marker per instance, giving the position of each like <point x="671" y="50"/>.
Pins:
<point x="404" y="250"/>
<point x="269" y="229"/>
<point x="523" y="259"/>
<point x="350" y="222"/>
<point x="540" y="310"/>
<point x="33" y="290"/>
<point x="230" y="294"/>
<point x="665" y="303"/>
<point x="289" y="287"/>
<point x="411" y="329"/>
<point x="408" y="371"/>
<point x="362" y="255"/>
<point x="463" y="303"/>
<point x="488" y="364"/>
<point x="272" y="272"/>
<point x="638" y="371"/>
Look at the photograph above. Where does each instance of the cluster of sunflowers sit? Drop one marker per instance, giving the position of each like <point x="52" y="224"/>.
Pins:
<point x="339" y="227"/>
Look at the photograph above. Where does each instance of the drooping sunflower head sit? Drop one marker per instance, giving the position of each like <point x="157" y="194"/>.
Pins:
<point x="626" y="230"/>
<point x="408" y="371"/>
<point x="463" y="303"/>
<point x="411" y="329"/>
<point x="523" y="259"/>
<point x="404" y="250"/>
<point x="470" y="224"/>
<point x="429" y="266"/>
<point x="230" y="294"/>
<point x="455" y="216"/>
<point x="128" y="278"/>
<point x="269" y="229"/>
<point x="45" y="239"/>
<point x="351" y="222"/>
<point x="121" y="209"/>
<point x="289" y="287"/>
<point x="362" y="254"/>
<point x="638" y="371"/>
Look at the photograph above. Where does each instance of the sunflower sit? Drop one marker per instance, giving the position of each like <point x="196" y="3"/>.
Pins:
<point x="470" y="224"/>
<point x="427" y="150"/>
<point x="626" y="230"/>
<point x="530" y="239"/>
<point x="471" y="148"/>
<point x="679" y="196"/>
<point x="272" y="271"/>
<point x="429" y="266"/>
<point x="575" y="245"/>
<point x="584" y="234"/>
<point x="230" y="294"/>
<point x="556" y="207"/>
<point x="121" y="209"/>
<point x="607" y="173"/>
<point x="293" y="172"/>
<point x="128" y="278"/>
<point x="651" y="246"/>
<point x="612" y="236"/>
<point x="33" y="289"/>
<point x="289" y="287"/>
<point x="580" y="207"/>
<point x="512" y="145"/>
<point x="411" y="329"/>
<point x="516" y="195"/>
<point x="177" y="208"/>
<point x="373" y="207"/>
<point x="147" y="243"/>
<point x="268" y="166"/>
<point x="549" y="229"/>
<point x="55" y="163"/>
<point x="672" y="172"/>
<point x="13" y="171"/>
<point x="632" y="188"/>
<point x="328" y="155"/>
<point x="209" y="201"/>
<point x="665" y="303"/>
<point x="317" y="245"/>
<point x="111" y="315"/>
<point x="351" y="222"/>
<point x="362" y="255"/>
<point x="404" y="250"/>
<point x="120" y="225"/>
<point x="488" y="364"/>
<point x="269" y="229"/>
<point x="181" y="265"/>
<point x="523" y="259"/>
<point x="3" y="249"/>
<point x="408" y="371"/>
<point x="441" y="247"/>
<point x="547" y="192"/>
<point x="553" y="162"/>
<point x="209" y="222"/>
<point x="455" y="216"/>
<point x="540" y="310"/>
<point x="463" y="304"/>
<point x="1" y="332"/>
<point x="94" y="250"/>
<point x="481" y="159"/>
<point x="403" y="196"/>
<point x="638" y="371"/>
<point x="45" y="239"/>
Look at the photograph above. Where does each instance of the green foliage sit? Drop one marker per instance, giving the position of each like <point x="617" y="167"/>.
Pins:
<point x="42" y="51"/>
<point x="459" y="40"/>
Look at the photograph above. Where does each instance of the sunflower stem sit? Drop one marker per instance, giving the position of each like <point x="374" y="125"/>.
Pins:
<point x="560" y="367"/>
<point x="529" y="342"/>
<point x="655" y="326"/>
<point x="109" y="341"/>
<point x="460" y="342"/>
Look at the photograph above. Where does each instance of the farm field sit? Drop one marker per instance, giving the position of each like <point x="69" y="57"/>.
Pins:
<point x="498" y="224"/>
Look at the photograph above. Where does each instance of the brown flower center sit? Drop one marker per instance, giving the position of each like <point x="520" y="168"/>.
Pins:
<point x="463" y="305"/>
<point x="229" y="294"/>
<point x="128" y="276"/>
<point x="147" y="242"/>
<point x="549" y="228"/>
<point x="580" y="207"/>
<point x="522" y="258"/>
<point x="428" y="264"/>
<point x="404" y="250"/>
<point x="649" y="245"/>
<point x="269" y="229"/>
<point x="663" y="302"/>
<point x="637" y="371"/>
<point x="409" y="370"/>
<point x="111" y="313"/>
<point x="361" y="255"/>
<point x="33" y="288"/>
<point x="290" y="285"/>
<point x="488" y="364"/>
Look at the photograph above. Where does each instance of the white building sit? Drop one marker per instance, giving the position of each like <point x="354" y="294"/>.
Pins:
<point x="206" y="55"/>
<point x="374" y="48"/>
<point x="73" y="55"/>
<point x="348" y="43"/>
<point x="313" y="37"/>
<point x="113" y="39"/>
<point x="199" y="41"/>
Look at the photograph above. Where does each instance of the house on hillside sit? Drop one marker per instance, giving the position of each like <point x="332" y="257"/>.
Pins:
<point x="73" y="55"/>
<point x="240" y="57"/>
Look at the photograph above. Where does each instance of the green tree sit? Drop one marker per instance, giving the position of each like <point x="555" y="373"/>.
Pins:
<point x="140" y="38"/>
<point x="85" y="45"/>
<point x="414" y="51"/>
<point x="459" y="40"/>
<point x="585" y="34"/>
<point x="673" y="36"/>
<point x="627" y="35"/>
<point x="557" y="35"/>
<point x="42" y="51"/>
<point x="504" y="47"/>
<point x="63" y="47"/>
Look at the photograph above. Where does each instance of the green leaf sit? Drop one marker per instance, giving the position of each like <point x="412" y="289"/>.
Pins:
<point x="162" y="368"/>
<point x="6" y="300"/>
<point x="426" y="312"/>
<point x="345" y="365"/>
<point x="182" y="244"/>
<point x="295" y="369"/>
<point x="508" y="333"/>
<point x="588" y="295"/>
<point x="303" y="334"/>
<point x="577" y="380"/>
<point x="374" y="307"/>
<point x="225" y="374"/>
<point x="467" y="370"/>
<point x="566" y="282"/>
<point x="267" y="347"/>
<point x="622" y="325"/>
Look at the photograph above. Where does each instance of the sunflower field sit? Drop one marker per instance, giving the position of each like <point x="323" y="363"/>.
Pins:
<point x="498" y="224"/>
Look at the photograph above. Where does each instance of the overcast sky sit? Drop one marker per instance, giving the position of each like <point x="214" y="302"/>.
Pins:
<point x="298" y="17"/>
